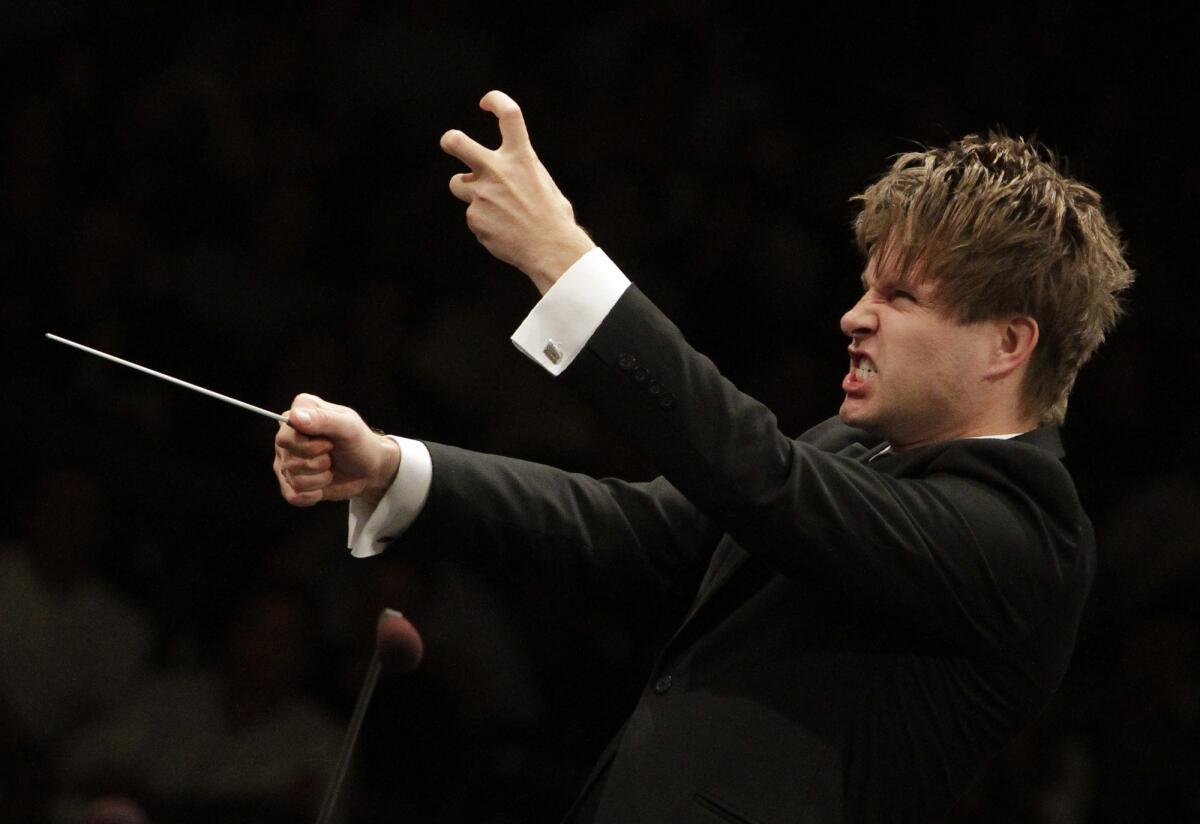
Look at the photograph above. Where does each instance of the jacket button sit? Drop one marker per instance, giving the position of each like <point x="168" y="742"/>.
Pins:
<point x="655" y="389"/>
<point x="626" y="362"/>
<point x="662" y="684"/>
<point x="641" y="374"/>
<point x="667" y="401"/>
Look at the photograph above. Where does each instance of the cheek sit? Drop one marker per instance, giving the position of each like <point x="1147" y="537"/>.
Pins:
<point x="936" y="366"/>
<point x="961" y="359"/>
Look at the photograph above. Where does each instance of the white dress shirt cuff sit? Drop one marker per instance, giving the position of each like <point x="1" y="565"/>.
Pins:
<point x="371" y="529"/>
<point x="570" y="312"/>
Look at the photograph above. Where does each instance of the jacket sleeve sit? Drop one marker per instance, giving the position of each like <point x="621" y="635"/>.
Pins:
<point x="634" y="536"/>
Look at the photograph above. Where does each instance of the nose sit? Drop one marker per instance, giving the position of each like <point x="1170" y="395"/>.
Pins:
<point x="860" y="321"/>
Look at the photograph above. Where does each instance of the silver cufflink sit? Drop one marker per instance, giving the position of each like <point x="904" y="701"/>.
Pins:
<point x="553" y="351"/>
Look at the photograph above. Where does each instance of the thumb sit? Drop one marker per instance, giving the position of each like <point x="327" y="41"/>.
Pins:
<point x="307" y="417"/>
<point x="305" y="421"/>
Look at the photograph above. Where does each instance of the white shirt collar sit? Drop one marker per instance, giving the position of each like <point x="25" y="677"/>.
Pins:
<point x="1010" y="435"/>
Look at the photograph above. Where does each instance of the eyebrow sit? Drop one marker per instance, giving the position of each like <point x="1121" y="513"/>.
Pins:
<point x="883" y="282"/>
<point x="894" y="284"/>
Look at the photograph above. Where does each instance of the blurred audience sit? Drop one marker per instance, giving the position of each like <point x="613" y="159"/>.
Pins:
<point x="71" y="645"/>
<point x="241" y="735"/>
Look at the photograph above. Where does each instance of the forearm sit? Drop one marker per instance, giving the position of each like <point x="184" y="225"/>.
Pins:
<point x="584" y="528"/>
<point x="535" y="513"/>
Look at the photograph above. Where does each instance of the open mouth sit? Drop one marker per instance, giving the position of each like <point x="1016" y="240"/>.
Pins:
<point x="862" y="367"/>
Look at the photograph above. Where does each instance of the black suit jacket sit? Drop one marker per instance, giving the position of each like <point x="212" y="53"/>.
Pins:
<point x="866" y="633"/>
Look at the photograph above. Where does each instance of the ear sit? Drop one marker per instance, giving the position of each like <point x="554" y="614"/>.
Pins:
<point x="1016" y="338"/>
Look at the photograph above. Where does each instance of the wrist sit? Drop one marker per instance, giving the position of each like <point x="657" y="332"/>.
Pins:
<point x="559" y="259"/>
<point x="380" y="479"/>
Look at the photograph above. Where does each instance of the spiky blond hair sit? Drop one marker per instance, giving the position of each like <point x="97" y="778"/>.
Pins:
<point x="1002" y="231"/>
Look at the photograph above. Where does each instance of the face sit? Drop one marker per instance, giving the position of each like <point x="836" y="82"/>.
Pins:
<point x="916" y="375"/>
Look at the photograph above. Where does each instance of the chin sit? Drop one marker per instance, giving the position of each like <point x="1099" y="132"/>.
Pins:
<point x="854" y="417"/>
<point x="860" y="419"/>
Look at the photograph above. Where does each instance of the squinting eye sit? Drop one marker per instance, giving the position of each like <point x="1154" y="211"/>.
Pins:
<point x="900" y="293"/>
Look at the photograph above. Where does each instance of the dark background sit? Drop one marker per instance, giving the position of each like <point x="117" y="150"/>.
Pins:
<point x="251" y="197"/>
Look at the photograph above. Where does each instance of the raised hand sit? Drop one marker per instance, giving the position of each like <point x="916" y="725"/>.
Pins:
<point x="327" y="453"/>
<point x="514" y="207"/>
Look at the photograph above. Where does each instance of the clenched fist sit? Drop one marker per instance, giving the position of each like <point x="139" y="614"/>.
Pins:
<point x="327" y="453"/>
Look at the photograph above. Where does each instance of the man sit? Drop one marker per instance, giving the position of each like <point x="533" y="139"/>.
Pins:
<point x="885" y="600"/>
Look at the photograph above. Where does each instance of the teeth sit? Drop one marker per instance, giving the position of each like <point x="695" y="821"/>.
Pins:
<point x="864" y="370"/>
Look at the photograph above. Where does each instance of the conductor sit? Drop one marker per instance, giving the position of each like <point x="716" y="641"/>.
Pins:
<point x="885" y="600"/>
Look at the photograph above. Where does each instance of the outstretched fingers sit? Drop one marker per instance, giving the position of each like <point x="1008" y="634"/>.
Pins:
<point x="513" y="133"/>
<point x="457" y="144"/>
<point x="514" y="137"/>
